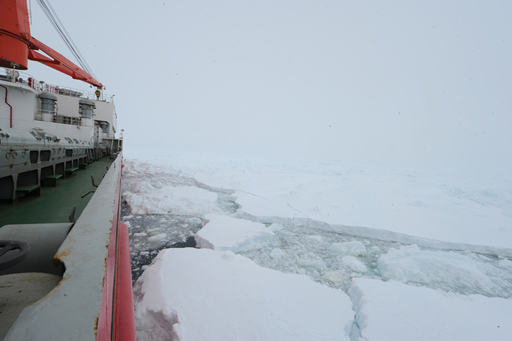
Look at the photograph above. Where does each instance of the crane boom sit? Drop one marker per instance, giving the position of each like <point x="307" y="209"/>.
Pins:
<point x="17" y="46"/>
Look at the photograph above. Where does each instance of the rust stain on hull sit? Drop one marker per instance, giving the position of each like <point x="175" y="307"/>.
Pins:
<point x="57" y="259"/>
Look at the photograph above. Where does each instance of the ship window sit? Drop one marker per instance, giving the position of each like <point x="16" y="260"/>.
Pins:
<point x="69" y="152"/>
<point x="45" y="155"/>
<point x="33" y="156"/>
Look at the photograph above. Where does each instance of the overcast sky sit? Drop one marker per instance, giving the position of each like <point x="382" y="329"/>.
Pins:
<point x="416" y="82"/>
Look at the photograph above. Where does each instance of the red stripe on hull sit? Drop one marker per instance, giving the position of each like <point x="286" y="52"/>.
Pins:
<point x="124" y="319"/>
<point x="116" y="320"/>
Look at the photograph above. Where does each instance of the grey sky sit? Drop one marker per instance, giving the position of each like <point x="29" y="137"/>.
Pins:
<point x="419" y="82"/>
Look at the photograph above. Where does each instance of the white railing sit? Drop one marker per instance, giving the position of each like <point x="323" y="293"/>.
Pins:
<point x="26" y="79"/>
<point x="52" y="116"/>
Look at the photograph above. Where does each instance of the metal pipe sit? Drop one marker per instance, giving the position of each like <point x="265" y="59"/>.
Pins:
<point x="7" y="104"/>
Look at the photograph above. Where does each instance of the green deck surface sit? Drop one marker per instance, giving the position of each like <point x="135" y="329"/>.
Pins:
<point x="55" y="203"/>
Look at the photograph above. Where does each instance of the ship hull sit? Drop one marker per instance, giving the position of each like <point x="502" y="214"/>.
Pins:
<point x="93" y="299"/>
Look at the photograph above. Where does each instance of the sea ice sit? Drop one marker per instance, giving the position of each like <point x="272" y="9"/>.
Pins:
<point x="178" y="200"/>
<point x="332" y="221"/>
<point x="191" y="294"/>
<point x="353" y="248"/>
<point x="312" y="261"/>
<point x="423" y="203"/>
<point x="315" y="238"/>
<point x="448" y="271"/>
<point x="277" y="254"/>
<point x="157" y="237"/>
<point x="353" y="264"/>
<point x="396" y="311"/>
<point x="226" y="233"/>
<point x="276" y="227"/>
<point x="337" y="276"/>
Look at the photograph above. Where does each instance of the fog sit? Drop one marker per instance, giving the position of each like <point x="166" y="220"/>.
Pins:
<point x="420" y="83"/>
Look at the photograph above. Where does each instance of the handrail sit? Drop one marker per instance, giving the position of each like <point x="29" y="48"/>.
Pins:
<point x="53" y="117"/>
<point x="27" y="79"/>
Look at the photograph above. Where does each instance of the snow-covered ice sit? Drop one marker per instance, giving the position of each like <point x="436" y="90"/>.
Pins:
<point x="443" y="237"/>
<point x="445" y="205"/>
<point x="171" y="200"/>
<point x="353" y="264"/>
<point x="395" y="311"/>
<point x="191" y="294"/>
<point x="226" y="233"/>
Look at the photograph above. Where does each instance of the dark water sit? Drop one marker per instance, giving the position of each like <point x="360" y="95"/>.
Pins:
<point x="151" y="233"/>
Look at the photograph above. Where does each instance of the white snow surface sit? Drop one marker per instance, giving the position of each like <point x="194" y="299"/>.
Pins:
<point x="423" y="254"/>
<point x="395" y="311"/>
<point x="226" y="233"/>
<point x="449" y="205"/>
<point x="204" y="294"/>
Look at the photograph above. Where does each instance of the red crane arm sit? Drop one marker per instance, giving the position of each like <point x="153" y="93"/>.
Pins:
<point x="17" y="45"/>
<point x="59" y="62"/>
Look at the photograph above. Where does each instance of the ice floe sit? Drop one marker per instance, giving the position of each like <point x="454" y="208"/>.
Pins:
<point x="191" y="294"/>
<point x="396" y="311"/>
<point x="449" y="271"/>
<point x="226" y="233"/>
<point x="406" y="242"/>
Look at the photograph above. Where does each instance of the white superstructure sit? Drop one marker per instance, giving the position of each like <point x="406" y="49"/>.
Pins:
<point x="46" y="130"/>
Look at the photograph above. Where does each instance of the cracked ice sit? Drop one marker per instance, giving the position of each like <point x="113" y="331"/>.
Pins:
<point x="317" y="251"/>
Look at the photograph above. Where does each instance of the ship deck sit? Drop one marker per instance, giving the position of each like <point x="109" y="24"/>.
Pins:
<point x="55" y="204"/>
